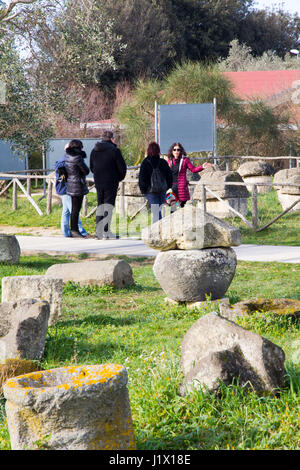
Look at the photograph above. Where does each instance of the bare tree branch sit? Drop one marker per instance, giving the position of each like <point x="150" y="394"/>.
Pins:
<point x="7" y="14"/>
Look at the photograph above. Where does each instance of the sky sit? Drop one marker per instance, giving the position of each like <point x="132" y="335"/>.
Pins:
<point x="292" y="6"/>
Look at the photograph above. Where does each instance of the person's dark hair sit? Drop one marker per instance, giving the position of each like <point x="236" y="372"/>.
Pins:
<point x="75" y="144"/>
<point x="182" y="151"/>
<point x="153" y="149"/>
<point x="107" y="135"/>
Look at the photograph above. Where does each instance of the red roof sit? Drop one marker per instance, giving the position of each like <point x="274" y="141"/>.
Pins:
<point x="275" y="86"/>
<point x="263" y="84"/>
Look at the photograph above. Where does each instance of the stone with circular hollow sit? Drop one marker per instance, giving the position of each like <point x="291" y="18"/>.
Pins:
<point x="70" y="408"/>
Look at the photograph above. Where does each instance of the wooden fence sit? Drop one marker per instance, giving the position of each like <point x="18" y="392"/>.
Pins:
<point x="14" y="180"/>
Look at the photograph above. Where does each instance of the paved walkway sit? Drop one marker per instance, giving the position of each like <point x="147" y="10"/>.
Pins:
<point x="134" y="247"/>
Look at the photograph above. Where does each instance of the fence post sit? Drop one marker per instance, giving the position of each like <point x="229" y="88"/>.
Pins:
<point x="14" y="196"/>
<point x="122" y="196"/>
<point x="84" y="206"/>
<point x="49" y="198"/>
<point x="203" y="198"/>
<point x="254" y="207"/>
<point x="29" y="185"/>
<point x="228" y="164"/>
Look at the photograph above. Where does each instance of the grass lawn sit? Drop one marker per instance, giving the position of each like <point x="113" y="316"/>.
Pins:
<point x="283" y="232"/>
<point x="136" y="328"/>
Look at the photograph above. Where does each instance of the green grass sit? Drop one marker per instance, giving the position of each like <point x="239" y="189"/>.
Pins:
<point x="283" y="232"/>
<point x="135" y="327"/>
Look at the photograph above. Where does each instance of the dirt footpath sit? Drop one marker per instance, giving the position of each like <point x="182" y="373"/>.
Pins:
<point x="33" y="231"/>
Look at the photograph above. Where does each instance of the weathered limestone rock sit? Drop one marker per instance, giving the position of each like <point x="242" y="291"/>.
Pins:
<point x="283" y="176"/>
<point x="14" y="367"/>
<point x="286" y="200"/>
<point x="131" y="183"/>
<point x="284" y="307"/>
<point x="293" y="190"/>
<point x="23" y="329"/>
<point x="234" y="195"/>
<point x="133" y="198"/>
<point x="256" y="168"/>
<point x="190" y="229"/>
<point x="287" y="195"/>
<point x="70" y="408"/>
<point x="9" y="249"/>
<point x="257" y="172"/>
<point x="116" y="273"/>
<point x="35" y="287"/>
<point x="215" y="349"/>
<point x="131" y="204"/>
<point x="192" y="275"/>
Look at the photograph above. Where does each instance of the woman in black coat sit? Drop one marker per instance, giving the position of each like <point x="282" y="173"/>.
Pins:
<point x="77" y="171"/>
<point x="153" y="161"/>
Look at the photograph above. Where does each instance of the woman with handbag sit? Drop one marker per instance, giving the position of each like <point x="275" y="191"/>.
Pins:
<point x="61" y="189"/>
<point x="76" y="184"/>
<point x="179" y="163"/>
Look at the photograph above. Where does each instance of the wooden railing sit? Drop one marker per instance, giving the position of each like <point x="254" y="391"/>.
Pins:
<point x="254" y="201"/>
<point x="18" y="180"/>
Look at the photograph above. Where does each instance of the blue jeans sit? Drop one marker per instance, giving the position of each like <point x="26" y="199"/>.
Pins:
<point x="65" y="217"/>
<point x="156" y="202"/>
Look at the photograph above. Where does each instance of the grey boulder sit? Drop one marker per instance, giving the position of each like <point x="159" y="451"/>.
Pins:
<point x="216" y="350"/>
<point x="193" y="275"/>
<point x="256" y="168"/>
<point x="9" y="249"/>
<point x="23" y="329"/>
<point x="190" y="229"/>
<point x="219" y="182"/>
<point x="116" y="273"/>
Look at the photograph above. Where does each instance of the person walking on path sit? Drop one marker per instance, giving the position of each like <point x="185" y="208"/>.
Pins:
<point x="61" y="190"/>
<point x="154" y="196"/>
<point x="76" y="184"/>
<point x="109" y="168"/>
<point x="179" y="163"/>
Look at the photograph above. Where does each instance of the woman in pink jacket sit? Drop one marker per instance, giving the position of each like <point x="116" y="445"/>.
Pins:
<point x="179" y="163"/>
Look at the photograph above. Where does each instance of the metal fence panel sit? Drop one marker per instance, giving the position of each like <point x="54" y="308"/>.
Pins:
<point x="190" y="124"/>
<point x="9" y="161"/>
<point x="56" y="150"/>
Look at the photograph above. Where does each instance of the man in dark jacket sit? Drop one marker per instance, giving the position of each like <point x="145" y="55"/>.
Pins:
<point x="109" y="168"/>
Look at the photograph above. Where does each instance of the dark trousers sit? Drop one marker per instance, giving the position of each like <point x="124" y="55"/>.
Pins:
<point x="107" y="196"/>
<point x="106" y="199"/>
<point x="76" y="206"/>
